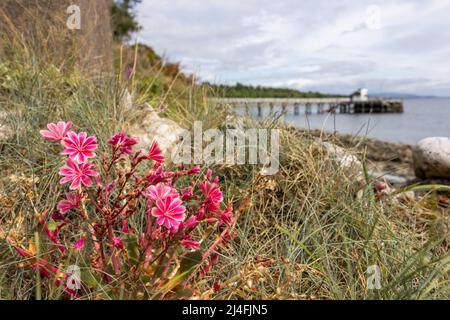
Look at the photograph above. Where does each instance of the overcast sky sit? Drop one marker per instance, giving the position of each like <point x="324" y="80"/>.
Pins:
<point x="330" y="46"/>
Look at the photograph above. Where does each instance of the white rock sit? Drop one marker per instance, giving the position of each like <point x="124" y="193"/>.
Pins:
<point x="153" y="127"/>
<point x="407" y="197"/>
<point x="432" y="158"/>
<point x="390" y="178"/>
<point x="345" y="159"/>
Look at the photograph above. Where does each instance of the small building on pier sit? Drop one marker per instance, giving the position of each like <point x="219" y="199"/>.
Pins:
<point x="360" y="95"/>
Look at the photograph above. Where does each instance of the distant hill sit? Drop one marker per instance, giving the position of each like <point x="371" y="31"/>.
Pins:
<point x="398" y="95"/>
<point x="247" y="91"/>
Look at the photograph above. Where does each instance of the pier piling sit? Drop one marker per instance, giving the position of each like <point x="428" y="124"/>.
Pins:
<point x="344" y="105"/>
<point x="296" y="109"/>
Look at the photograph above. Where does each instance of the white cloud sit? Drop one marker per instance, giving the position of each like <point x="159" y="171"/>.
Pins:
<point x="309" y="68"/>
<point x="309" y="44"/>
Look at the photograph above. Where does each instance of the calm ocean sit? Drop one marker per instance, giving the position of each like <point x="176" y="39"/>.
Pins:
<point x="421" y="118"/>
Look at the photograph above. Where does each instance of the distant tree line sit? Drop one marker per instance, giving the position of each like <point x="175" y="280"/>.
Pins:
<point x="248" y="91"/>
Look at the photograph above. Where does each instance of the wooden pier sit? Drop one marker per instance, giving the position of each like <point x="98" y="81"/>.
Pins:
<point x="342" y="105"/>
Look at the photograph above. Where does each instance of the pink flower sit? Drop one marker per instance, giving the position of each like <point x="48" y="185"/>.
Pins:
<point x="194" y="170"/>
<point x="155" y="178"/>
<point x="200" y="214"/>
<point x="213" y="195"/>
<point x="72" y="201"/>
<point x="187" y="194"/>
<point x="191" y="222"/>
<point x="169" y="212"/>
<point x="79" y="244"/>
<point x="155" y="153"/>
<point x="208" y="174"/>
<point x="78" y="173"/>
<point x="57" y="216"/>
<point x="190" y="244"/>
<point x="160" y="192"/>
<point x="210" y="220"/>
<point x="117" y="243"/>
<point x="111" y="186"/>
<point x="216" y="287"/>
<point x="123" y="142"/>
<point x="211" y="191"/>
<point x="56" y="131"/>
<point x="226" y="216"/>
<point x="79" y="147"/>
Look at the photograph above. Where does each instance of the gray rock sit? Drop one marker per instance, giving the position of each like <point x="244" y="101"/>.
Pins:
<point x="431" y="158"/>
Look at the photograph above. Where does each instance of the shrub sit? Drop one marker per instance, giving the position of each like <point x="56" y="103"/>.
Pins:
<point x="133" y="228"/>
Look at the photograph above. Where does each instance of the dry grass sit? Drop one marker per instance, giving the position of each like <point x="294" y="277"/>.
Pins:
<point x="313" y="230"/>
<point x="310" y="232"/>
<point x="39" y="27"/>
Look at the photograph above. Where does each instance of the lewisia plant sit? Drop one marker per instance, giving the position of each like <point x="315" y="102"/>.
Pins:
<point x="135" y="229"/>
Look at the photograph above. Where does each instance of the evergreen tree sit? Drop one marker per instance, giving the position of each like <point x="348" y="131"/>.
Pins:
<point x="124" y="19"/>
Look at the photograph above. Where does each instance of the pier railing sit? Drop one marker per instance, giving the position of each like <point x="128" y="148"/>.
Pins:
<point x="321" y="105"/>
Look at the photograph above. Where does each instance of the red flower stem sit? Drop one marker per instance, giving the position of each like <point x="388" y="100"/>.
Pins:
<point x="161" y="259"/>
<point x="220" y="239"/>
<point x="162" y="253"/>
<point x="114" y="251"/>
<point x="127" y="178"/>
<point x="107" y="173"/>
<point x="123" y="207"/>
<point x="130" y="198"/>
<point x="98" y="245"/>
<point x="166" y="268"/>
<point x="44" y="267"/>
<point x="150" y="227"/>
<point x="130" y="174"/>
<point x="148" y="256"/>
<point x="94" y="202"/>
<point x="149" y="219"/>
<point x="52" y="235"/>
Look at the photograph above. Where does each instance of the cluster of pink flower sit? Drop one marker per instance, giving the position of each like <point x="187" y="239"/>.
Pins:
<point x="104" y="196"/>
<point x="79" y="147"/>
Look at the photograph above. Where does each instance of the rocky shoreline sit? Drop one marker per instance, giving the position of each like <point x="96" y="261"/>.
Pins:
<point x="398" y="163"/>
